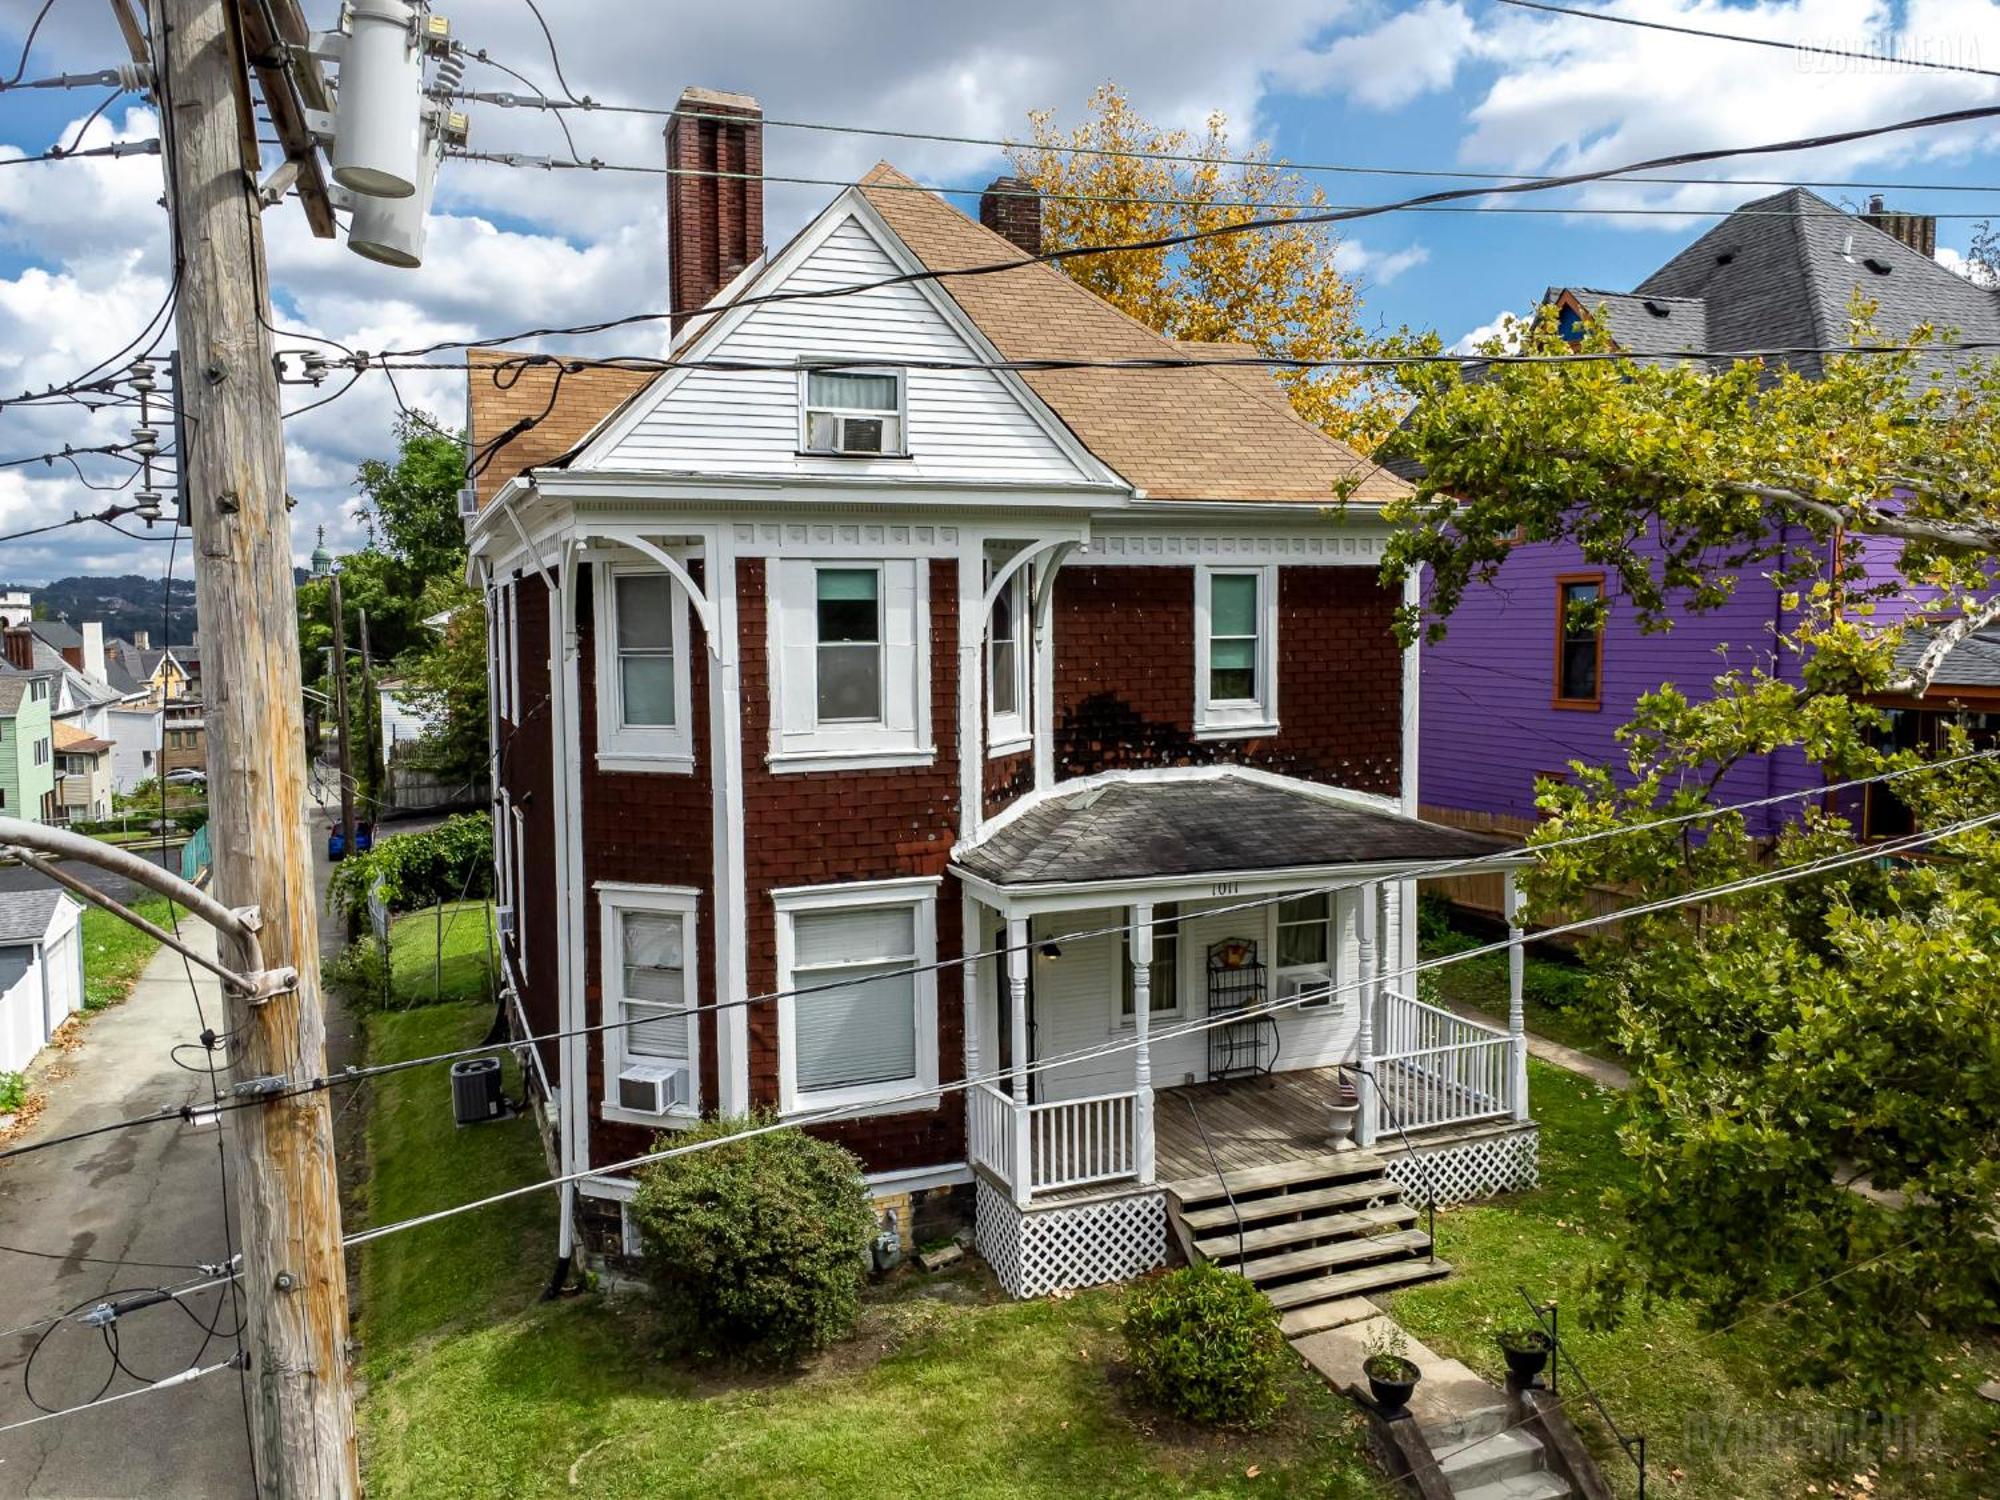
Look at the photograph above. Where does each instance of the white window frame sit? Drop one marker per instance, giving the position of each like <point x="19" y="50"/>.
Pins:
<point x="1237" y="718"/>
<point x="512" y="648"/>
<point x="806" y="409"/>
<point x="1312" y="1007"/>
<point x="1009" y="733"/>
<point x="519" y="866"/>
<point x="645" y="747"/>
<point x="902" y="736"/>
<point x="1120" y="956"/>
<point x="614" y="899"/>
<point x="919" y="894"/>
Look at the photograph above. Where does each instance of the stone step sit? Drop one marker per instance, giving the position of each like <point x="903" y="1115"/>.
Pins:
<point x="1305" y="1201"/>
<point x="1502" y="1455"/>
<point x="1333" y="1166"/>
<point x="1466" y="1423"/>
<point x="1321" y="1316"/>
<point x="1541" y="1486"/>
<point x="1381" y="1277"/>
<point x="1266" y="1269"/>
<point x="1223" y="1245"/>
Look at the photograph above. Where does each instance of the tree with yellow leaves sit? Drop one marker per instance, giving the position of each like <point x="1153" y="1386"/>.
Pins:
<point x="1117" y="178"/>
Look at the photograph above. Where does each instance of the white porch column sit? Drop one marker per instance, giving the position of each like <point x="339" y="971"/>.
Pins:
<point x="1017" y="997"/>
<point x="1142" y="1053"/>
<point x="1517" y="1027"/>
<point x="1364" y="1044"/>
<point x="968" y="945"/>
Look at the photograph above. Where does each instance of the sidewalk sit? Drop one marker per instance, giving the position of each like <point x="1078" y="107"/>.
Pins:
<point x="1604" y="1074"/>
<point x="149" y="1194"/>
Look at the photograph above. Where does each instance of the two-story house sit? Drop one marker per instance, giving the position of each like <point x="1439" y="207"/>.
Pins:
<point x="27" y="751"/>
<point x="919" y="717"/>
<point x="1514" y="693"/>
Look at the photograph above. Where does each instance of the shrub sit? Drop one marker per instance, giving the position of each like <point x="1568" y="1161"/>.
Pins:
<point x="451" y="862"/>
<point x="756" y="1248"/>
<point x="1204" y="1345"/>
<point x="13" y="1092"/>
<point x="359" y="973"/>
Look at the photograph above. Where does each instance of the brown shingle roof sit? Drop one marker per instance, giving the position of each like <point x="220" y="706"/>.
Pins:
<point x="69" y="737"/>
<point x="1177" y="434"/>
<point x="498" y="398"/>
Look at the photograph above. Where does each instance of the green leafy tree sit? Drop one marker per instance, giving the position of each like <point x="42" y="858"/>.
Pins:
<point x="414" y="498"/>
<point x="1796" y="1040"/>
<point x="446" y="682"/>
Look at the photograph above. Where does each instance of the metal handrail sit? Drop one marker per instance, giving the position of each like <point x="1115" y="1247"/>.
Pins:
<point x="1634" y="1444"/>
<point x="1220" y="1176"/>
<point x="1409" y="1150"/>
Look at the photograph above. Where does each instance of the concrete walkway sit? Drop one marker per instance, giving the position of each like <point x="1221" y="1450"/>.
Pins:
<point x="149" y="1194"/>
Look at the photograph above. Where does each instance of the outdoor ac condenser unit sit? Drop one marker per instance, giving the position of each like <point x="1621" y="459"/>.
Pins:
<point x="652" y="1088"/>
<point x="475" y="1090"/>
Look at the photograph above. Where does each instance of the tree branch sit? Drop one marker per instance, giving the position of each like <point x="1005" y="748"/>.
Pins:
<point x="1941" y="644"/>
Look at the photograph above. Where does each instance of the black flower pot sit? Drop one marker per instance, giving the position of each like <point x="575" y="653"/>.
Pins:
<point x="1527" y="1354"/>
<point x="1390" y="1381"/>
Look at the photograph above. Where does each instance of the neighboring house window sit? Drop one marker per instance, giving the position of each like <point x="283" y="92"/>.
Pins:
<point x="852" y="680"/>
<point x="853" y="411"/>
<point x="1305" y="945"/>
<point x="643" y="704"/>
<point x="857" y="1020"/>
<point x="1236" y="651"/>
<point x="41" y="752"/>
<point x="651" y="1044"/>
<point x="1579" y="643"/>
<point x="1007" y="667"/>
<point x="38" y="691"/>
<point x="146" y="760"/>
<point x="1163" y="973"/>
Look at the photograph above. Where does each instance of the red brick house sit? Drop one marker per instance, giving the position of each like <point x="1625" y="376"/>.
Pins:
<point x="816" y="677"/>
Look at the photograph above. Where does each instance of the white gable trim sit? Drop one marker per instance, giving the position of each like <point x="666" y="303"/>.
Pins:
<point x="850" y="205"/>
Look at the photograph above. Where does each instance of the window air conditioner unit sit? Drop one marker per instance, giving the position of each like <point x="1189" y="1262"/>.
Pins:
<point x="652" y="1088"/>
<point x="832" y="432"/>
<point x="1295" y="983"/>
<point x="505" y="918"/>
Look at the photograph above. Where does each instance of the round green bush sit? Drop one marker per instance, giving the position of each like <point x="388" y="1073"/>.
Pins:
<point x="756" y="1248"/>
<point x="1204" y="1345"/>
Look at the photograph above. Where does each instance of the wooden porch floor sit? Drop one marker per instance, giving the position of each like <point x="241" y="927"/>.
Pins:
<point x="1251" y="1122"/>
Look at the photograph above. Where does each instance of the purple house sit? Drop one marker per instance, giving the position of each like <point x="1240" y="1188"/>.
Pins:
<point x="1512" y="694"/>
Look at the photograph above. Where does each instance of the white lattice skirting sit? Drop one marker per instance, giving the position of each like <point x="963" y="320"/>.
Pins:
<point x="1069" y="1245"/>
<point x="1463" y="1170"/>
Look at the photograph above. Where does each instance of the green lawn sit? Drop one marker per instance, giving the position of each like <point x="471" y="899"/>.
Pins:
<point x="114" y="951"/>
<point x="469" y="964"/>
<point x="1482" y="982"/>
<point x="1659" y="1373"/>
<point x="477" y="1389"/>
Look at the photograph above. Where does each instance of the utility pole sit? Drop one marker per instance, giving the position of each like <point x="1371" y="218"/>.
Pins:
<point x="340" y="713"/>
<point x="371" y="732"/>
<point x="288" y="1198"/>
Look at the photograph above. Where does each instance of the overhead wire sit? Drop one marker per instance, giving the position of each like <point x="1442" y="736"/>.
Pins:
<point x="28" y="45"/>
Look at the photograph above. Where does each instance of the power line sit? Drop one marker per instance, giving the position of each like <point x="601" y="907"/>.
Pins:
<point x="1753" y="41"/>
<point x="185" y="1377"/>
<point x="917" y="1096"/>
<point x="57" y="153"/>
<point x="1217" y="205"/>
<point x="1061" y="256"/>
<point x="28" y="45"/>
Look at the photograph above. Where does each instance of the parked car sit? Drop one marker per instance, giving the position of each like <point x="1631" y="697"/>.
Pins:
<point x="187" y="776"/>
<point x="336" y="841"/>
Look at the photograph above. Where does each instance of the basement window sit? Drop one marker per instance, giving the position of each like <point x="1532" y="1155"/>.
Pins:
<point x="853" y="412"/>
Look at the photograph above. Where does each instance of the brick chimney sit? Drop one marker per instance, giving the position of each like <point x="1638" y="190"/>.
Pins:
<point x="19" y="642"/>
<point x="1918" y="231"/>
<point x="1012" y="209"/>
<point x="715" y="194"/>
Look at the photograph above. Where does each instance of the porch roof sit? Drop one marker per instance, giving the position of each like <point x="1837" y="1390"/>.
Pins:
<point x="1144" y="829"/>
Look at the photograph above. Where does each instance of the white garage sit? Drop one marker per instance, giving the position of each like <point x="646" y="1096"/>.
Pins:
<point x="41" y="971"/>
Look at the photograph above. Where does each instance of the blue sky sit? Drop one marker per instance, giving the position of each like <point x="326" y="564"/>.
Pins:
<point x="1439" y="85"/>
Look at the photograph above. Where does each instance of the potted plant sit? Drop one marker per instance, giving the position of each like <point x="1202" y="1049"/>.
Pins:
<point x="1527" y="1351"/>
<point x="1346" y="1105"/>
<point x="1391" y="1373"/>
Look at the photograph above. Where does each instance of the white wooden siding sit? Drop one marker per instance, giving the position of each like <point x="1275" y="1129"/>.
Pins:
<point x="963" y="424"/>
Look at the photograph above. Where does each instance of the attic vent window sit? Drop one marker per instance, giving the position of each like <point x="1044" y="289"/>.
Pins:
<point x="1879" y="267"/>
<point x="852" y="411"/>
<point x="1725" y="257"/>
<point x="1655" y="309"/>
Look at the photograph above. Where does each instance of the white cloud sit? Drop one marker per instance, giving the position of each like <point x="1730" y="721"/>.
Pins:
<point x="1502" y="325"/>
<point x="1412" y="53"/>
<point x="1376" y="267"/>
<point x="1973" y="271"/>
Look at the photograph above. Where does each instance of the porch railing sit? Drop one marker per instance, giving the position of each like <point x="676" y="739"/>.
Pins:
<point x="1436" y="1068"/>
<point x="990" y="1129"/>
<point x="1076" y="1141"/>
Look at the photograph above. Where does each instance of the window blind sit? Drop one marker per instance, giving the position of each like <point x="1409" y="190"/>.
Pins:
<point x="865" y="1030"/>
<point x="655" y="985"/>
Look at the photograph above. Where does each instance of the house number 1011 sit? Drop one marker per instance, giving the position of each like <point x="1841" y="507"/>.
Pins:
<point x="1227" y="887"/>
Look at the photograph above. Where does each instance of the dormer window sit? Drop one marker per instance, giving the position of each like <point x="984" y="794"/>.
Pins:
<point x="853" y="412"/>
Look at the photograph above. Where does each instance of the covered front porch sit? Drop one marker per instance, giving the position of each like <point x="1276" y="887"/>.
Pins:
<point x="1184" y="970"/>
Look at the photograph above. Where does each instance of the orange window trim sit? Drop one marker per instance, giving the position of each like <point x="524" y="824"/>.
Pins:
<point x="1556" y="699"/>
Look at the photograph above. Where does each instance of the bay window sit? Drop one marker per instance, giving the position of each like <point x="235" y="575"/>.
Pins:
<point x="1007" y="668"/>
<point x="652" y="1045"/>
<point x="643" y="703"/>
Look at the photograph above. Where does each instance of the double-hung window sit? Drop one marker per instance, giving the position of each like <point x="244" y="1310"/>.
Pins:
<point x="1305" y="946"/>
<point x="848" y="641"/>
<point x="857" y="412"/>
<point x="1163" y="974"/>
<point x="652" y="1044"/>
<point x="1007" y="668"/>
<point x="643" y="704"/>
<point x="858" y="1015"/>
<point x="1236" y="652"/>
<point x="1579" y="642"/>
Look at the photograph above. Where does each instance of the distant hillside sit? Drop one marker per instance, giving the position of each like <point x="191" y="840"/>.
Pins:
<point x="123" y="604"/>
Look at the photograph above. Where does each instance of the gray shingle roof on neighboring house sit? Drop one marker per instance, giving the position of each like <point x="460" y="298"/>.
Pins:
<point x="24" y="915"/>
<point x="13" y="687"/>
<point x="1132" y="830"/>
<point x="1644" y="325"/>
<point x="58" y="633"/>
<point x="1973" y="662"/>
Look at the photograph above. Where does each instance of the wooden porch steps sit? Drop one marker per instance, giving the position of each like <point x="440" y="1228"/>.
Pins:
<point x="1315" y="1233"/>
